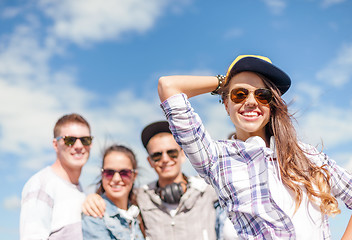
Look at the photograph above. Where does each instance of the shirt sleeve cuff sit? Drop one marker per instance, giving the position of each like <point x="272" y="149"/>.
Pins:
<point x="179" y="100"/>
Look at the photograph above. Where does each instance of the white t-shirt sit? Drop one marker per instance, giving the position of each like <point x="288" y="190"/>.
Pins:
<point x="50" y="208"/>
<point x="308" y="218"/>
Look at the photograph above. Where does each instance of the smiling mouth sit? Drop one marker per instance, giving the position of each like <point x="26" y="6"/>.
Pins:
<point x="167" y="167"/>
<point x="78" y="155"/>
<point x="250" y="114"/>
<point x="116" y="187"/>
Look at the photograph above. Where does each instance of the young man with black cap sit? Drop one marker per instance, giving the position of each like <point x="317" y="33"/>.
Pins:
<point x="175" y="206"/>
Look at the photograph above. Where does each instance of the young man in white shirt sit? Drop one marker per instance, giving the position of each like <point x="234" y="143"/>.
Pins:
<point x="52" y="198"/>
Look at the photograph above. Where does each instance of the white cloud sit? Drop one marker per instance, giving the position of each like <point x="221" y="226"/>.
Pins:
<point x="339" y="70"/>
<point x="234" y="33"/>
<point x="308" y="90"/>
<point x="34" y="96"/>
<point x="22" y="58"/>
<point x="39" y="159"/>
<point x="334" y="26"/>
<point x="329" y="3"/>
<point x="329" y="123"/>
<point x="10" y="12"/>
<point x="12" y="203"/>
<point x="88" y="21"/>
<point x="30" y="111"/>
<point x="276" y="6"/>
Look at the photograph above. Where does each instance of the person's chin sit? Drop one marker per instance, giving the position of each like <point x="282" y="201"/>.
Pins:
<point x="82" y="159"/>
<point x="116" y="189"/>
<point x="113" y="195"/>
<point x="76" y="164"/>
<point x="170" y="175"/>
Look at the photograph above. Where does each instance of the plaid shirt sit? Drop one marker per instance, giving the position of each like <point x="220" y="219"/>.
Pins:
<point x="239" y="173"/>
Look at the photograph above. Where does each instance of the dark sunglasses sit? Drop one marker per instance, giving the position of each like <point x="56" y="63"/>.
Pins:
<point x="70" y="141"/>
<point x="261" y="95"/>
<point x="172" y="153"/>
<point x="125" y="174"/>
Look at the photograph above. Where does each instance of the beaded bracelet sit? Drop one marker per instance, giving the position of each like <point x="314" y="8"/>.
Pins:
<point x="221" y="79"/>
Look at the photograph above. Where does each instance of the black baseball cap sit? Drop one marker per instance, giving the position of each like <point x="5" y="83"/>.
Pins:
<point x="152" y="129"/>
<point x="262" y="65"/>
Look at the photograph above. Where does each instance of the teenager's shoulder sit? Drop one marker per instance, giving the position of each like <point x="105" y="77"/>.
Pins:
<point x="41" y="176"/>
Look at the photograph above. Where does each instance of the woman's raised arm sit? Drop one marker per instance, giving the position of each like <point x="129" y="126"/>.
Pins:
<point x="189" y="85"/>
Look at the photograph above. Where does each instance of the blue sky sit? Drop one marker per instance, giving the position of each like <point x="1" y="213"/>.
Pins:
<point x="102" y="59"/>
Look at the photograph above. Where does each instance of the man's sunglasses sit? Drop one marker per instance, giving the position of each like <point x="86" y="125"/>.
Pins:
<point x="261" y="95"/>
<point x="125" y="174"/>
<point x="172" y="153"/>
<point x="70" y="141"/>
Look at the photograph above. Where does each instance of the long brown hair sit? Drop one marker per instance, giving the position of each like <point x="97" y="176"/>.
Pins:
<point x="295" y="167"/>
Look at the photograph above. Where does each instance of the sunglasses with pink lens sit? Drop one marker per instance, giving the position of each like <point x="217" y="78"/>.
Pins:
<point x="125" y="174"/>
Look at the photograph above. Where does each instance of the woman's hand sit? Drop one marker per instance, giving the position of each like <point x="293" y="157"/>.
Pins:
<point x="94" y="205"/>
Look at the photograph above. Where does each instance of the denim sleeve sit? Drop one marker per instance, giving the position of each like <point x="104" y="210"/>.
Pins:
<point x="94" y="228"/>
<point x="219" y="221"/>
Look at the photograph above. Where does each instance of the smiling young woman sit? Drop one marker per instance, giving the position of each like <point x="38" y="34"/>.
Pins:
<point x="248" y="105"/>
<point x="121" y="219"/>
<point x="272" y="185"/>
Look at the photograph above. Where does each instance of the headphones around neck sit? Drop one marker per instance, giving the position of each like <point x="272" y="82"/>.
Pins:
<point x="171" y="193"/>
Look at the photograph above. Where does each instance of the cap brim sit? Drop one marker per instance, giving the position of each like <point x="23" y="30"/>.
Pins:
<point x="153" y="129"/>
<point x="281" y="80"/>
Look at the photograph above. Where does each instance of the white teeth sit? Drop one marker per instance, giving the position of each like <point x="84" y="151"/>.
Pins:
<point x="78" y="155"/>
<point x="250" y="114"/>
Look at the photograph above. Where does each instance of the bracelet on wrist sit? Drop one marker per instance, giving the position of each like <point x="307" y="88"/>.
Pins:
<point x="221" y="79"/>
